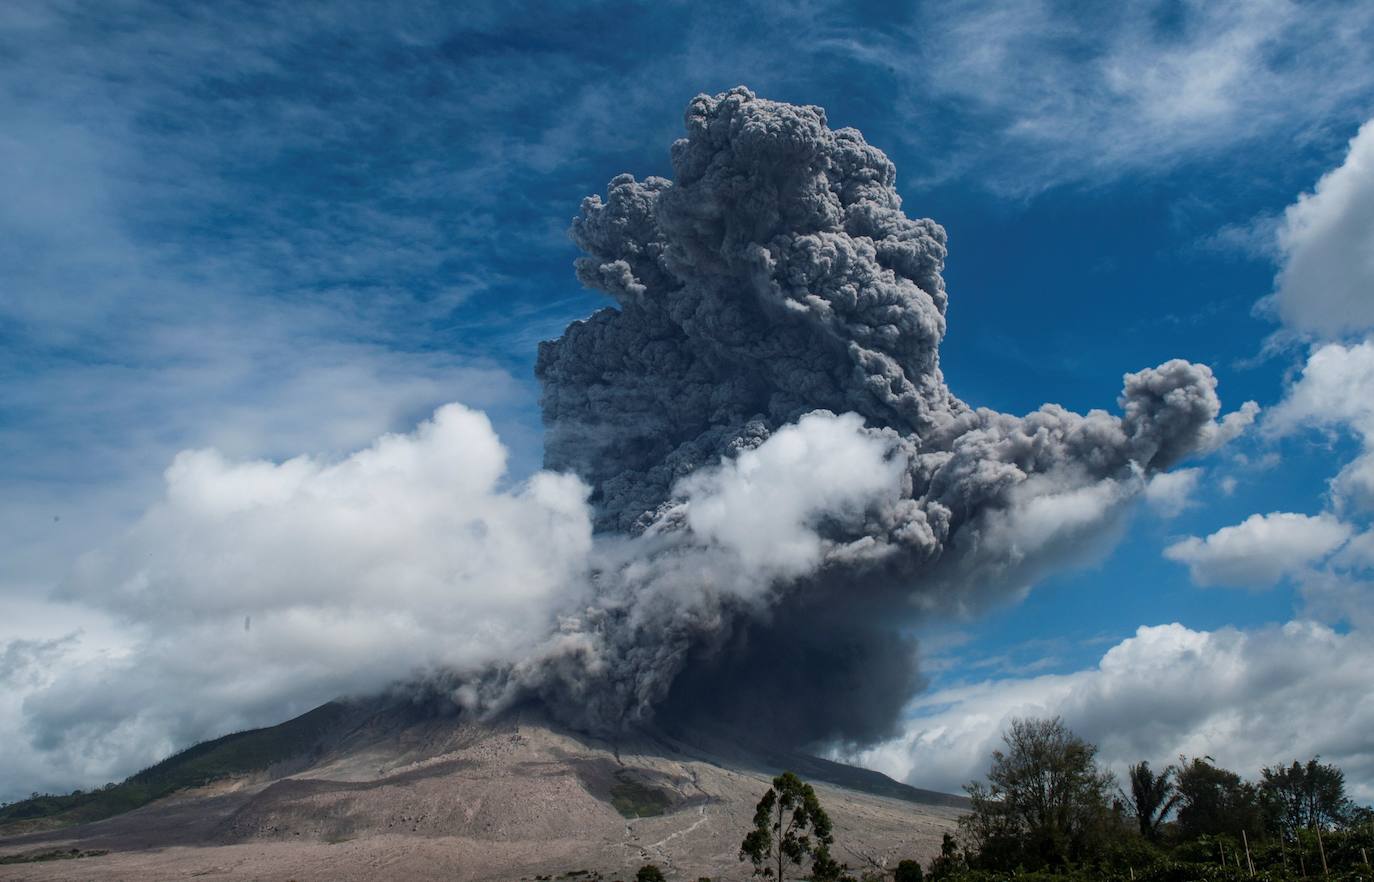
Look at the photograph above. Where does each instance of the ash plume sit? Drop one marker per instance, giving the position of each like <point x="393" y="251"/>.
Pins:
<point x="780" y="478"/>
<point x="756" y="482"/>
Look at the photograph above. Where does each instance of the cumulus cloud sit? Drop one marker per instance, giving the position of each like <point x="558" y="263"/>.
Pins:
<point x="1358" y="554"/>
<point x="264" y="587"/>
<point x="415" y="524"/>
<point x="755" y="506"/>
<point x="1169" y="493"/>
<point x="1332" y="393"/>
<point x="1260" y="550"/>
<point x="1326" y="284"/>
<point x="1325" y="291"/>
<point x="259" y="587"/>
<point x="1328" y="390"/>
<point x="1247" y="698"/>
<point x="1354" y="485"/>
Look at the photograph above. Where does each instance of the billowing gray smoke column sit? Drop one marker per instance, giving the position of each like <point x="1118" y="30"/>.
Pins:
<point x="777" y="275"/>
<point x="774" y="277"/>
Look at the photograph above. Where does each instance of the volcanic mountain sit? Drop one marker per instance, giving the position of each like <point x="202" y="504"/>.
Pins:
<point x="398" y="789"/>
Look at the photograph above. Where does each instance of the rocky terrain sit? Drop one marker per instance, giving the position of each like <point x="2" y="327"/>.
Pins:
<point x="390" y="794"/>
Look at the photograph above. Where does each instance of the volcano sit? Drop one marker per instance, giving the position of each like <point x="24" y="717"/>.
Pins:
<point x="402" y="789"/>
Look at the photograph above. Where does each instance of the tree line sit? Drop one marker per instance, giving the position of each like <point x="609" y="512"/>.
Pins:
<point x="1048" y="807"/>
<point x="1048" y="811"/>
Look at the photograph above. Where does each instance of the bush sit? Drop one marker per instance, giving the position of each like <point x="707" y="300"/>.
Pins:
<point x="649" y="873"/>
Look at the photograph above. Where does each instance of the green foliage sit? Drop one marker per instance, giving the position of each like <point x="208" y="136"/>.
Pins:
<point x="1214" y="801"/>
<point x="1046" y="803"/>
<point x="649" y="873"/>
<point x="950" y="864"/>
<point x="202" y="764"/>
<point x="1152" y="797"/>
<point x="1359" y="816"/>
<point x="634" y="799"/>
<point x="1044" y="817"/>
<point x="1219" y="837"/>
<point x="790" y="828"/>
<point x="1303" y="796"/>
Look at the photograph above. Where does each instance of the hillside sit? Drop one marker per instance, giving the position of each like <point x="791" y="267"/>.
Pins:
<point x="241" y="753"/>
<point x="346" y="788"/>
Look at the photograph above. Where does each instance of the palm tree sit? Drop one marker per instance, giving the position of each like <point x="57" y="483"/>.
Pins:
<point x="1152" y="797"/>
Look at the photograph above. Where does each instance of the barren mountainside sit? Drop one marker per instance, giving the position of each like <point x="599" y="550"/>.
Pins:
<point x="360" y="790"/>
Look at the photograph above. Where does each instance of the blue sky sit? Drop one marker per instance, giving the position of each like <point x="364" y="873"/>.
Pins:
<point x="275" y="232"/>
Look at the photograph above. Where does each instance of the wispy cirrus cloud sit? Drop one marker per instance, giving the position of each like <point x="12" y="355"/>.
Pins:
<point x="1082" y="94"/>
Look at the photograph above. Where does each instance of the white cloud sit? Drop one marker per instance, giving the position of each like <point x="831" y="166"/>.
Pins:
<point x="134" y="349"/>
<point x="1325" y="289"/>
<point x="414" y="522"/>
<point x="1335" y="596"/>
<point x="1358" y="553"/>
<point x="255" y="589"/>
<point x="1333" y="392"/>
<point x="1326" y="284"/>
<point x="1353" y="486"/>
<point x="1169" y="493"/>
<point x="1247" y="698"/>
<point x="760" y="507"/>
<point x="1050" y="518"/>
<point x="1260" y="550"/>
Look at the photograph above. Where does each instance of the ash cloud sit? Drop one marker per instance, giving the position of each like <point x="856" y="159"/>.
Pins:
<point x="756" y="480"/>
<point x="775" y="282"/>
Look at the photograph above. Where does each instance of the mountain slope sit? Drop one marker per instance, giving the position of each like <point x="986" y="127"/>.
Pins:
<point x="377" y="791"/>
<point x="241" y="753"/>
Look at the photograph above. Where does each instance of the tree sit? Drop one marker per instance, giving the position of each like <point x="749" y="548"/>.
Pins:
<point x="1046" y="802"/>
<point x="908" y="871"/>
<point x="789" y="827"/>
<point x="1360" y="817"/>
<point x="1214" y="801"/>
<point x="649" y="873"/>
<point x="1152" y="797"/>
<point x="948" y="862"/>
<point x="1304" y="796"/>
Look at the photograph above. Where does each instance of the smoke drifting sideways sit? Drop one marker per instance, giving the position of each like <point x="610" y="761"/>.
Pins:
<point x="781" y="480"/>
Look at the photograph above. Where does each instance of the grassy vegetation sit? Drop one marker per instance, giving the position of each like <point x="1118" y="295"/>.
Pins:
<point x="39" y="857"/>
<point x="236" y="754"/>
<point x="1200" y="860"/>
<point x="636" y="800"/>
